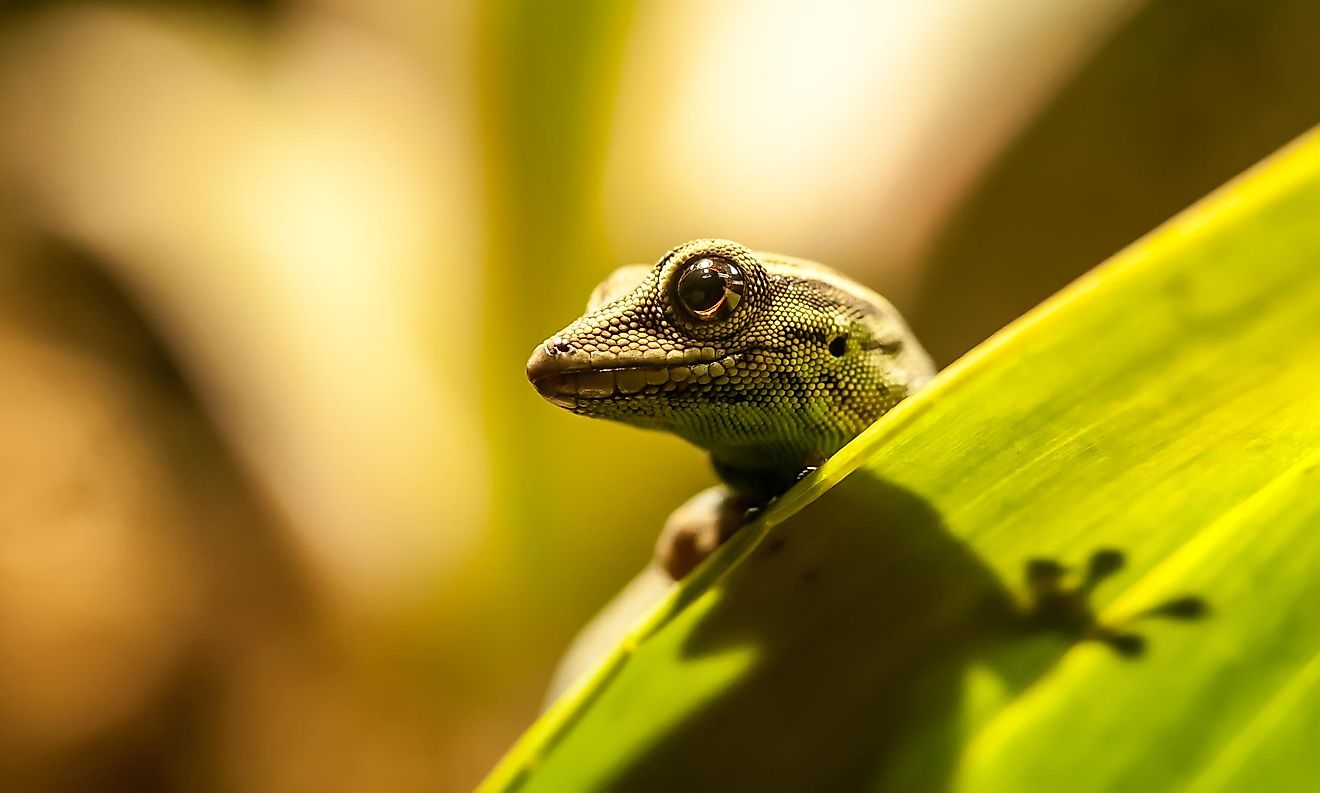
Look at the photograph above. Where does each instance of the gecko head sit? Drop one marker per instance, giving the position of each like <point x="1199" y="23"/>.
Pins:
<point x="738" y="352"/>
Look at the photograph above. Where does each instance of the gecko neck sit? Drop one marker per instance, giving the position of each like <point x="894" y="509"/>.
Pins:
<point x="761" y="477"/>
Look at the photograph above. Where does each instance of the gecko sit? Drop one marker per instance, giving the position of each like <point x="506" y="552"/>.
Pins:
<point x="769" y="363"/>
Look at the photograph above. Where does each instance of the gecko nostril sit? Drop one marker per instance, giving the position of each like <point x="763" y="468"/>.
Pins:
<point x="558" y="346"/>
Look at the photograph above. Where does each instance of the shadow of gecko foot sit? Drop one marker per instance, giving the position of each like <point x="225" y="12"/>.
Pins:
<point x="1055" y="606"/>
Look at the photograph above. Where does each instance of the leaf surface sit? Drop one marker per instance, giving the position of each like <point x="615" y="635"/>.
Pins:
<point x="874" y="630"/>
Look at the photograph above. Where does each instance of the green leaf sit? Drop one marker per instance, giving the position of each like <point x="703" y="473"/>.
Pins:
<point x="874" y="629"/>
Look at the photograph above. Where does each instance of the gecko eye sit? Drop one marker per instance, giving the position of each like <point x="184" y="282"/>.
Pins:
<point x="710" y="288"/>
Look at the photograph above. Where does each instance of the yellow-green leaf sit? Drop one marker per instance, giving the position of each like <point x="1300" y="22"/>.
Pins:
<point x="874" y="631"/>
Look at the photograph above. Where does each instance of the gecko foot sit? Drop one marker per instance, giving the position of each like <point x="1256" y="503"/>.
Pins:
<point x="1067" y="609"/>
<point x="698" y="527"/>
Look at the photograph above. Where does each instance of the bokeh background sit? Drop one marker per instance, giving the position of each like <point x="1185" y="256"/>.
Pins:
<point x="278" y="511"/>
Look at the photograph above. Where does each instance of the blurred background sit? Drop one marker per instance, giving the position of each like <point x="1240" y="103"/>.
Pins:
<point x="278" y="511"/>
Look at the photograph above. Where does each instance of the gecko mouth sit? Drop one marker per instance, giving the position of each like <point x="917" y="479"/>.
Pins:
<point x="567" y="388"/>
<point x="567" y="383"/>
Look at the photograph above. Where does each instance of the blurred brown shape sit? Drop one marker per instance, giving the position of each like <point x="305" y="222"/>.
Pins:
<point x="155" y="633"/>
<point x="98" y="582"/>
<point x="114" y="500"/>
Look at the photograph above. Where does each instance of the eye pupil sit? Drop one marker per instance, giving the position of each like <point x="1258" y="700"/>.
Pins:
<point x="710" y="288"/>
<point x="702" y="289"/>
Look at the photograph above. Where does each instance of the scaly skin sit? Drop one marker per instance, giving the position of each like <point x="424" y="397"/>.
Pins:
<point x="769" y="363"/>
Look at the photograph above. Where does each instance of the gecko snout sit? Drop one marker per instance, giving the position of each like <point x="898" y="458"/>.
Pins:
<point x="548" y="369"/>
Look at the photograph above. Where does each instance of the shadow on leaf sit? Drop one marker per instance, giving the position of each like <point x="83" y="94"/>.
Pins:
<point x="866" y="615"/>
